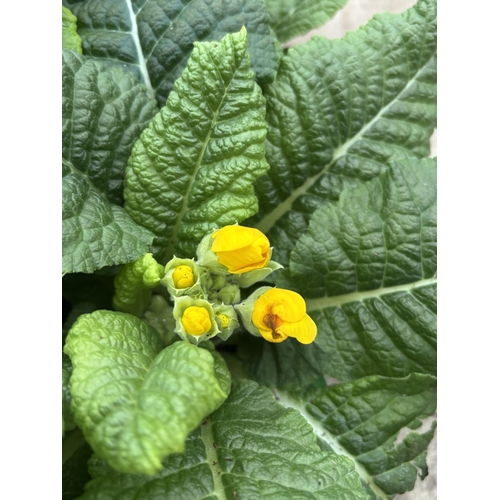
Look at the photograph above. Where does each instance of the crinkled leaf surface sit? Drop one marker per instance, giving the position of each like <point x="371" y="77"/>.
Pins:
<point x="135" y="404"/>
<point x="251" y="448"/>
<point x="70" y="38"/>
<point x="193" y="168"/>
<point x="96" y="233"/>
<point x="68" y="419"/>
<point x="291" y="18"/>
<point x="154" y="38"/>
<point x="339" y="111"/>
<point x="367" y="420"/>
<point x="367" y="267"/>
<point x="104" y="112"/>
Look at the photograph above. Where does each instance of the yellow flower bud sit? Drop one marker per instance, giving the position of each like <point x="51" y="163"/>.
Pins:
<point x="183" y="277"/>
<point x="280" y="313"/>
<point x="196" y="320"/>
<point x="241" y="249"/>
<point x="224" y="319"/>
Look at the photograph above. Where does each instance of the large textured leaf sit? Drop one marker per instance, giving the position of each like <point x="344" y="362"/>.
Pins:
<point x="339" y="111"/>
<point x="291" y="18"/>
<point x="70" y="38"/>
<point x="192" y="169"/>
<point x="135" y="404"/>
<point x="367" y="267"/>
<point x="104" y="112"/>
<point x="96" y="233"/>
<point x="250" y="449"/>
<point x="366" y="420"/>
<point x="154" y="38"/>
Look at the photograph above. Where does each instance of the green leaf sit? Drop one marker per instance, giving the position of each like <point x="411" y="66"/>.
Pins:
<point x="366" y="266"/>
<point x="96" y="233"/>
<point x="251" y="448"/>
<point x="376" y="250"/>
<point x="70" y="38"/>
<point x="192" y="169"/>
<point x="365" y="420"/>
<point x="68" y="419"/>
<point x="135" y="404"/>
<point x="104" y="112"/>
<point x="341" y="110"/>
<point x="292" y="18"/>
<point x="153" y="39"/>
<point x="134" y="285"/>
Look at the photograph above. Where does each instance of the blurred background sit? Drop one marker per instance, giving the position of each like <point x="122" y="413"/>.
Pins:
<point x="352" y="16"/>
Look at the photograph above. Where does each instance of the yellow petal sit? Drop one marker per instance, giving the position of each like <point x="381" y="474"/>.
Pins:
<point x="243" y="260"/>
<point x="304" y="330"/>
<point x="233" y="237"/>
<point x="287" y="305"/>
<point x="183" y="277"/>
<point x="274" y="337"/>
<point x="196" y="320"/>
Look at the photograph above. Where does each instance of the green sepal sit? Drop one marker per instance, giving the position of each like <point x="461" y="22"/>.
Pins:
<point x="134" y="284"/>
<point x="181" y="304"/>
<point x="245" y="310"/>
<point x="232" y="320"/>
<point x="207" y="258"/>
<point x="248" y="279"/>
<point x="194" y="290"/>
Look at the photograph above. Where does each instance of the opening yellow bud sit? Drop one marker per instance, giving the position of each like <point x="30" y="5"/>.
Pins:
<point x="241" y="249"/>
<point x="224" y="319"/>
<point x="183" y="277"/>
<point x="280" y="313"/>
<point x="196" y="320"/>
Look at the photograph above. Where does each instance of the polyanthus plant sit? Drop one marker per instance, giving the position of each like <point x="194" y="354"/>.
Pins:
<point x="240" y="220"/>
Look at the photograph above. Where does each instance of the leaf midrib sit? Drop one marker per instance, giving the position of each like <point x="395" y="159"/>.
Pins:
<point x="268" y="221"/>
<point x="207" y="437"/>
<point x="140" y="56"/>
<point x="322" y="432"/>
<point x="169" y="251"/>
<point x="338" y="300"/>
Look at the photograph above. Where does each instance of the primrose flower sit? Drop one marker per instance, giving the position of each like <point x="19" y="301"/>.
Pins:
<point x="227" y="320"/>
<point x="194" y="319"/>
<point x="241" y="249"/>
<point x="182" y="277"/>
<point x="276" y="314"/>
<point x="234" y="250"/>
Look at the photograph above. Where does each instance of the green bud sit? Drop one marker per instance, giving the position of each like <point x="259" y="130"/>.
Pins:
<point x="227" y="320"/>
<point x="245" y="310"/>
<point x="230" y="294"/>
<point x="160" y="316"/>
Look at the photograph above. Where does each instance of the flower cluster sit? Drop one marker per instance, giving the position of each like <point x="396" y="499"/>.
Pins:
<point x="207" y="291"/>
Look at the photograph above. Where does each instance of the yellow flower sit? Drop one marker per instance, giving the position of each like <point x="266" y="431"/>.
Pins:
<point x="196" y="320"/>
<point x="183" y="277"/>
<point x="241" y="249"/>
<point x="280" y="313"/>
